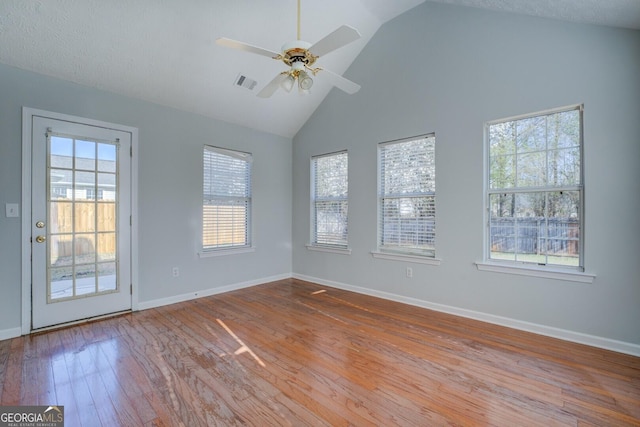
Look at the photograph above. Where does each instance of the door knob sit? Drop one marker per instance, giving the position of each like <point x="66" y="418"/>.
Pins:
<point x="40" y="239"/>
<point x="40" y="224"/>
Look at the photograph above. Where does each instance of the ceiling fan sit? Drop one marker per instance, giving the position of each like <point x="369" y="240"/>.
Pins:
<point x="300" y="56"/>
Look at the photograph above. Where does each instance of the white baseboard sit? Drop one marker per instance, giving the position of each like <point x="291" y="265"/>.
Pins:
<point x="6" y="334"/>
<point x="563" y="334"/>
<point x="145" y="305"/>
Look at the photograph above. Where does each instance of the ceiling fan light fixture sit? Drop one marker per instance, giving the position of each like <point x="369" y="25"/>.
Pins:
<point x="303" y="92"/>
<point x="304" y="81"/>
<point x="287" y="83"/>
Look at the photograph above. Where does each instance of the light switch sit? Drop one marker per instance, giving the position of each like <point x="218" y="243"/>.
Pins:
<point x="12" y="210"/>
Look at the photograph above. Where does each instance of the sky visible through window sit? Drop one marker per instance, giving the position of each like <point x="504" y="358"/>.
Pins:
<point x="62" y="146"/>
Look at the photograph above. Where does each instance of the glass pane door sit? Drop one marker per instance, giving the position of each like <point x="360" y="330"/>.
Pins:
<point x="82" y="182"/>
<point x="80" y="219"/>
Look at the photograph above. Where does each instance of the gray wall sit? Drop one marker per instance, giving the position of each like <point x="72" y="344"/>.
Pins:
<point x="448" y="69"/>
<point x="170" y="190"/>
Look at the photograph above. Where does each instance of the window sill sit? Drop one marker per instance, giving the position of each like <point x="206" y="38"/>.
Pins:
<point x="571" y="276"/>
<point x="341" y="251"/>
<point x="406" y="258"/>
<point x="224" y="252"/>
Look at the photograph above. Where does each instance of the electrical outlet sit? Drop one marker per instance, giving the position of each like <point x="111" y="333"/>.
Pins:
<point x="409" y="272"/>
<point x="176" y="272"/>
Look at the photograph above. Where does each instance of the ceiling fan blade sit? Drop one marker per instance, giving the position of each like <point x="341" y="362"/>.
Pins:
<point x="340" y="82"/>
<point x="272" y="86"/>
<point x="234" y="44"/>
<point x="335" y="40"/>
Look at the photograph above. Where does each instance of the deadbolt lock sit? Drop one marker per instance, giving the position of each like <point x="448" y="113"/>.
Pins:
<point x="40" y="224"/>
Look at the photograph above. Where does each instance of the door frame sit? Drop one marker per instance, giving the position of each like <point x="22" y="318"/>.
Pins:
<point x="27" y="141"/>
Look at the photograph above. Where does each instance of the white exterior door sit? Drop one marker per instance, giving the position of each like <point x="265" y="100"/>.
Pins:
<point x="80" y="221"/>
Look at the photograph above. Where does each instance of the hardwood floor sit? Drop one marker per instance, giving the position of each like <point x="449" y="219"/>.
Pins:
<point x="297" y="353"/>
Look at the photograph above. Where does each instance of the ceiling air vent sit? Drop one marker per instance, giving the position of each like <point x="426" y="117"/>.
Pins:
<point x="245" y="82"/>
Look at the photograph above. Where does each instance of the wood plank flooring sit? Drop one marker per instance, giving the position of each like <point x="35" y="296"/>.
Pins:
<point x="301" y="354"/>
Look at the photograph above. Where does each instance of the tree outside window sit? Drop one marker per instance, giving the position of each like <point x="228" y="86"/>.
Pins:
<point x="535" y="188"/>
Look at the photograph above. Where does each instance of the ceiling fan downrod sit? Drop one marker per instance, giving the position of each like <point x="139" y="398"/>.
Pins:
<point x="298" y="20"/>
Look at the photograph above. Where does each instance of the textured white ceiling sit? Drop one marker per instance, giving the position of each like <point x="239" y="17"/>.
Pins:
<point x="164" y="51"/>
<point x="613" y="13"/>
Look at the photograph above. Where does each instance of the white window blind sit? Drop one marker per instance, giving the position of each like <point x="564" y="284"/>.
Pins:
<point x="407" y="196"/>
<point x="535" y="191"/>
<point x="329" y="199"/>
<point x="226" y="205"/>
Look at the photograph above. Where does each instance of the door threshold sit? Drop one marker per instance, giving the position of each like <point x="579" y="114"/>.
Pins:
<point x="79" y="322"/>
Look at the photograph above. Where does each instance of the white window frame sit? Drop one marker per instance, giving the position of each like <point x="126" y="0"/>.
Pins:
<point x="328" y="244"/>
<point x="405" y="253"/>
<point x="522" y="267"/>
<point x="244" y="200"/>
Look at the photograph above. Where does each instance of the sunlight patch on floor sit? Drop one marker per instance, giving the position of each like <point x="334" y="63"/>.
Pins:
<point x="243" y="347"/>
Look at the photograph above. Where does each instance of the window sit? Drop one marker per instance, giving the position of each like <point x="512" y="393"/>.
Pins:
<point x="329" y="194"/>
<point x="534" y="190"/>
<point x="407" y="196"/>
<point x="226" y="204"/>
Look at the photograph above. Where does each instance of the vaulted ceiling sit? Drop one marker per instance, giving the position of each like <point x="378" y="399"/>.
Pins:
<point x="164" y="51"/>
